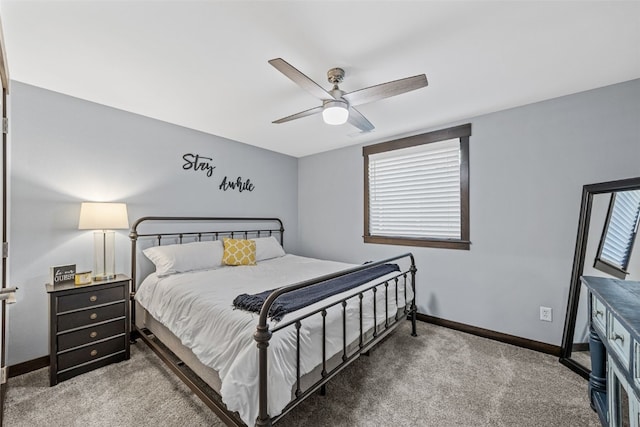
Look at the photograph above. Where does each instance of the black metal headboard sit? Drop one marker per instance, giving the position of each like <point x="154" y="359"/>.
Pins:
<point x="177" y="229"/>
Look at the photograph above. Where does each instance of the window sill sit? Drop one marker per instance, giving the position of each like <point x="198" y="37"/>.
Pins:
<point x="427" y="243"/>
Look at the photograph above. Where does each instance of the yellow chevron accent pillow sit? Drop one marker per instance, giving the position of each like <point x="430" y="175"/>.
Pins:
<point x="239" y="252"/>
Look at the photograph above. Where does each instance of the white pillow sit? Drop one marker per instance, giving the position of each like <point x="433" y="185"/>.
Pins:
<point x="171" y="259"/>
<point x="267" y="248"/>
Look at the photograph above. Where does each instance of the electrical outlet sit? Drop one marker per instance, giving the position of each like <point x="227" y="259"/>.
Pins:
<point x="545" y="314"/>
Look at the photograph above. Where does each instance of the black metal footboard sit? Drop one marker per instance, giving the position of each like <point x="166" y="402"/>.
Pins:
<point x="263" y="334"/>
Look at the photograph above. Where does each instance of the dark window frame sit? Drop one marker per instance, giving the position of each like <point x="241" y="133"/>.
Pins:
<point x="462" y="132"/>
<point x="603" y="265"/>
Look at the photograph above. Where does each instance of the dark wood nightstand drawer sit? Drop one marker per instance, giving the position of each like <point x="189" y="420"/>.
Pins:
<point x="91" y="352"/>
<point x="90" y="298"/>
<point x="81" y="369"/>
<point x="90" y="334"/>
<point x="82" y="318"/>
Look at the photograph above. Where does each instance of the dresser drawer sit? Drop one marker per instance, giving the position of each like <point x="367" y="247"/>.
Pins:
<point x="91" y="352"/>
<point x="90" y="334"/>
<point x="598" y="314"/>
<point x="90" y="299"/>
<point x="636" y="368"/>
<point x="620" y="340"/>
<point x="82" y="318"/>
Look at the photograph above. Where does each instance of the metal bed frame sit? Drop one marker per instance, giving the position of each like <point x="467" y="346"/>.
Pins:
<point x="263" y="333"/>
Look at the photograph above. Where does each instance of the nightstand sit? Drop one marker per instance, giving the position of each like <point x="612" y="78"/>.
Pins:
<point x="89" y="326"/>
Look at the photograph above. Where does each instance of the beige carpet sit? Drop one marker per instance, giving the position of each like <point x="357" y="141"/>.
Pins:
<point x="441" y="378"/>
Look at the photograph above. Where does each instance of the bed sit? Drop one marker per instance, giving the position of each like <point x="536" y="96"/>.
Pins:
<point x="251" y="368"/>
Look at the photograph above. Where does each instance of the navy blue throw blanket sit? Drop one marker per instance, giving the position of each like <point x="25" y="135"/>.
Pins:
<point x="303" y="297"/>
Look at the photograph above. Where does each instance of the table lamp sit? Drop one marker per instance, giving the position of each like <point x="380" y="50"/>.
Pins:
<point x="104" y="218"/>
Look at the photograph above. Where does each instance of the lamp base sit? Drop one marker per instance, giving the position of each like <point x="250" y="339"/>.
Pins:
<point x="104" y="259"/>
<point x="104" y="277"/>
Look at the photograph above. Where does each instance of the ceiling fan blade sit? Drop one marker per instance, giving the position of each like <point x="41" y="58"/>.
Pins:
<point x="299" y="115"/>
<point x="300" y="79"/>
<point x="385" y="90"/>
<point x="358" y="120"/>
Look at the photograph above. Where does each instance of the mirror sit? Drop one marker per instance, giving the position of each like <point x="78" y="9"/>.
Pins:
<point x="595" y="212"/>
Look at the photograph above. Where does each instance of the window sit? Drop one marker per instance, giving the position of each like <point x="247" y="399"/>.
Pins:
<point x="619" y="233"/>
<point x="417" y="190"/>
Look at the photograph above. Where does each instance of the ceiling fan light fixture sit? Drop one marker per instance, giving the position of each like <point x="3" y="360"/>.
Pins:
<point x="335" y="112"/>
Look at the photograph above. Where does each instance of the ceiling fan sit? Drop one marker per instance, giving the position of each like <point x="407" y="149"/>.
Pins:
<point x="338" y="106"/>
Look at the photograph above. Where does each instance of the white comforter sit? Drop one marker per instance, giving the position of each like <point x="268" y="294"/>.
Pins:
<point x="197" y="308"/>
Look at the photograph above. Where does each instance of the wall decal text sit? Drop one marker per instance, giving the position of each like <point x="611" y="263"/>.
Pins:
<point x="198" y="163"/>
<point x="238" y="184"/>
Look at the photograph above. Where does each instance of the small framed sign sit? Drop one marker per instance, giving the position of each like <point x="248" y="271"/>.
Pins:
<point x="62" y="274"/>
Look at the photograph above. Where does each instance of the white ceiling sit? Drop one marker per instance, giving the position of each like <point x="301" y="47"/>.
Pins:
<point x="203" y="65"/>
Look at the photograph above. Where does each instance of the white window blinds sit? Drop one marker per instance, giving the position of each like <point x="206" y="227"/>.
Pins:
<point x="415" y="192"/>
<point x="621" y="229"/>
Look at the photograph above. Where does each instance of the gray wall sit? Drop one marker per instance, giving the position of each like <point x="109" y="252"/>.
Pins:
<point x="527" y="166"/>
<point x="65" y="151"/>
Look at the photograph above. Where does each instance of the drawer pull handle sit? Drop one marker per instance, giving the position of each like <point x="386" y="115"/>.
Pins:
<point x="93" y="334"/>
<point x="94" y="352"/>
<point x="93" y="316"/>
<point x="618" y="337"/>
<point x="93" y="298"/>
<point x="599" y="313"/>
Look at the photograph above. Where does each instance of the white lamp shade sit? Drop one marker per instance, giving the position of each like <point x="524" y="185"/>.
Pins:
<point x="335" y="113"/>
<point x="103" y="216"/>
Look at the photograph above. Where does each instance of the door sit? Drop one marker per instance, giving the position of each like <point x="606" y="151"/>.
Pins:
<point x="4" y="79"/>
<point x="3" y="265"/>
